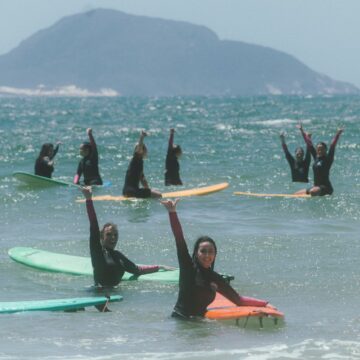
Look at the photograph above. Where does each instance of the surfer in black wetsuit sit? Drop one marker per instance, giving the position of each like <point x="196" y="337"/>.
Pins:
<point x="109" y="264"/>
<point x="44" y="165"/>
<point x="198" y="281"/>
<point x="299" y="166"/>
<point x="89" y="164"/>
<point x="322" y="164"/>
<point x="172" y="167"/>
<point x="135" y="174"/>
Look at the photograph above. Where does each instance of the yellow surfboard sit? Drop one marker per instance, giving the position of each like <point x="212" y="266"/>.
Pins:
<point x="174" y="194"/>
<point x="272" y="195"/>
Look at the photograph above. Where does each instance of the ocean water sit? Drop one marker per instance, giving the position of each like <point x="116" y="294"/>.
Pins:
<point x="302" y="255"/>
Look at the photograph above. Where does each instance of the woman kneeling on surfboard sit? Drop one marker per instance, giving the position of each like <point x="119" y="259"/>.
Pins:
<point x="89" y="164"/>
<point x="44" y="165"/>
<point x="109" y="264"/>
<point x="172" y="167"/>
<point x="323" y="160"/>
<point x="135" y="174"/>
<point x="198" y="281"/>
<point x="299" y="165"/>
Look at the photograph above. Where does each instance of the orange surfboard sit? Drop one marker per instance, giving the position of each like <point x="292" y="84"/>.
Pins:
<point x="272" y="195"/>
<point x="223" y="309"/>
<point x="206" y="190"/>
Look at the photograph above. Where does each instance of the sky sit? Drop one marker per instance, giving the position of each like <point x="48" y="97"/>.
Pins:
<point x="320" y="33"/>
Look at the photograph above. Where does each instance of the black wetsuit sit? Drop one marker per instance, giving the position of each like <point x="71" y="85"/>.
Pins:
<point x="322" y="165"/>
<point x="195" y="290"/>
<point x="299" y="169"/>
<point x="89" y="167"/>
<point x="321" y="168"/>
<point x="134" y="175"/>
<point x="172" y="167"/>
<point x="109" y="265"/>
<point x="42" y="166"/>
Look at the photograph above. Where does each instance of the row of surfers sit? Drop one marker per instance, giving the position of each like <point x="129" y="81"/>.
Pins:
<point x="89" y="166"/>
<point x="198" y="281"/>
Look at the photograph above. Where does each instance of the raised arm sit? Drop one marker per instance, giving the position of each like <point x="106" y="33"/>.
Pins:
<point x="139" y="148"/>
<point x="336" y="137"/>
<point x="334" y="142"/>
<point x="95" y="245"/>
<point x="56" y="149"/>
<point x="308" y="141"/>
<point x="87" y="192"/>
<point x="171" y="139"/>
<point x="181" y="246"/>
<point x="288" y="156"/>
<point x="91" y="139"/>
<point x="308" y="153"/>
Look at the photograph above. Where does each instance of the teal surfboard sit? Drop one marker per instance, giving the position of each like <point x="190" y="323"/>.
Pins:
<point x="9" y="307"/>
<point x="41" y="181"/>
<point x="35" y="180"/>
<point x="76" y="265"/>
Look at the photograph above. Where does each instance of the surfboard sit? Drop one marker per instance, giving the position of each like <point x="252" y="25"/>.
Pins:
<point x="41" y="181"/>
<point x="272" y="195"/>
<point x="35" y="180"/>
<point x="9" y="307"/>
<point x="76" y="265"/>
<point x="201" y="191"/>
<point x="223" y="309"/>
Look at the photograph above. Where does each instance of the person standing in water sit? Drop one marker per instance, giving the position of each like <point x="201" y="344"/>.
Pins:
<point x="172" y="167"/>
<point x="198" y="281"/>
<point x="135" y="174"/>
<point x="89" y="164"/>
<point x="109" y="264"/>
<point x="44" y="164"/>
<point x="299" y="165"/>
<point x="323" y="161"/>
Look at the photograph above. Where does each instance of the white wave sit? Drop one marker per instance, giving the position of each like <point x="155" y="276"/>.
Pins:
<point x="276" y="122"/>
<point x="63" y="91"/>
<point x="220" y="126"/>
<point x="308" y="349"/>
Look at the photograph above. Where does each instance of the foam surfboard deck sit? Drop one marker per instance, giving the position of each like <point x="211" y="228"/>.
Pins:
<point x="223" y="309"/>
<point x="206" y="190"/>
<point x="35" y="180"/>
<point x="9" y="307"/>
<point x="272" y="195"/>
<point x="76" y="265"/>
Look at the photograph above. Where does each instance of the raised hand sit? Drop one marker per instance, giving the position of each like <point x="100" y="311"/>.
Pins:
<point x="87" y="191"/>
<point x="170" y="205"/>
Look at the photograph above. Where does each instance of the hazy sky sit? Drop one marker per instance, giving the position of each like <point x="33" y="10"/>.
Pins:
<point x="321" y="33"/>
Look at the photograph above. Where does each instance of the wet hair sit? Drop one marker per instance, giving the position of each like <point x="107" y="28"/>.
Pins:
<point x="323" y="144"/>
<point x="299" y="149"/>
<point x="86" y="145"/>
<point x="45" y="148"/>
<point x="109" y="224"/>
<point x="199" y="241"/>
